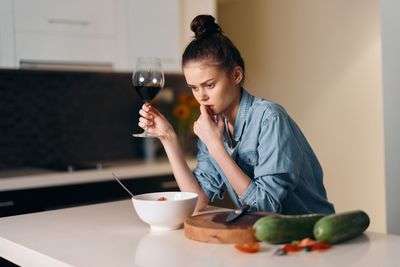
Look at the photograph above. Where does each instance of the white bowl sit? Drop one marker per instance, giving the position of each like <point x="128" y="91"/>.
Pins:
<point x="168" y="214"/>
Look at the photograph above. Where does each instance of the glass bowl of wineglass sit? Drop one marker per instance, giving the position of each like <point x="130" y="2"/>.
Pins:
<point x="147" y="80"/>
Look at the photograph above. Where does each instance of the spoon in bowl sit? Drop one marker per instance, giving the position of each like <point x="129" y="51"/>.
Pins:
<point x="123" y="186"/>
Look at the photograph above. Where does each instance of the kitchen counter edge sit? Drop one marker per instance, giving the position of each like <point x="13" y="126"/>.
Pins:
<point x="139" y="169"/>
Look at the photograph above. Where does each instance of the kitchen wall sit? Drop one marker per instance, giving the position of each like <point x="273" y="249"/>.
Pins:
<point x="322" y="61"/>
<point x="189" y="10"/>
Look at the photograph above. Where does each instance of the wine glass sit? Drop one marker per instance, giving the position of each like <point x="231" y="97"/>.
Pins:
<point x="147" y="79"/>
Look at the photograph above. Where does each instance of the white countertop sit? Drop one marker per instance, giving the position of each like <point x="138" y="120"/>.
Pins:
<point x="124" y="170"/>
<point x="111" y="234"/>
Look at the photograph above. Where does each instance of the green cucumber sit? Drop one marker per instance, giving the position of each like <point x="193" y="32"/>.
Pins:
<point x="278" y="229"/>
<point x="339" y="227"/>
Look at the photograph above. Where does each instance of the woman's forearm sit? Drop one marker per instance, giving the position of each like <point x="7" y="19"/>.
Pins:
<point x="183" y="175"/>
<point x="236" y="177"/>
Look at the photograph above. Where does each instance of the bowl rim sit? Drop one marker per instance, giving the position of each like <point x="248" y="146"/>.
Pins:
<point x="192" y="195"/>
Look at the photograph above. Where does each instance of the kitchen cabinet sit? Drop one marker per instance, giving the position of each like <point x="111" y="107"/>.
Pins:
<point x="41" y="190"/>
<point x="154" y="30"/>
<point x="161" y="28"/>
<point x="16" y="202"/>
<point x="96" y="34"/>
<point x="33" y="192"/>
<point x="65" y="32"/>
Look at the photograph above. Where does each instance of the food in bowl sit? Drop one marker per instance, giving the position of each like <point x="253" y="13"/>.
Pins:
<point x="165" y="210"/>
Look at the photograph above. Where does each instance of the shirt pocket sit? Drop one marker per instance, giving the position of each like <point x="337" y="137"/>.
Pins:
<point x="247" y="162"/>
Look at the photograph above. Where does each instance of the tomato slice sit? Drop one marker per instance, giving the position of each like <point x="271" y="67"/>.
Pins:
<point x="307" y="242"/>
<point x="291" y="248"/>
<point x="248" y="247"/>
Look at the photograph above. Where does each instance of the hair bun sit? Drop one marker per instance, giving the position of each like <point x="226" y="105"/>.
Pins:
<point x="204" y="25"/>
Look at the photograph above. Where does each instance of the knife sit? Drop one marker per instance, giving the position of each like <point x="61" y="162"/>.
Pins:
<point x="237" y="213"/>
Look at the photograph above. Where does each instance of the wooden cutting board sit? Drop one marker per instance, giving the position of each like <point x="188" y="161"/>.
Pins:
<point x="212" y="228"/>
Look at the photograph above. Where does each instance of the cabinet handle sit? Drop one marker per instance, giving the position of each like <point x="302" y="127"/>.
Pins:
<point x="7" y="204"/>
<point x="169" y="185"/>
<point x="68" y="22"/>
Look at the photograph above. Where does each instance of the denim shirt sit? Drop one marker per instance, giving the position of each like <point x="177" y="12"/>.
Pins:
<point x="271" y="150"/>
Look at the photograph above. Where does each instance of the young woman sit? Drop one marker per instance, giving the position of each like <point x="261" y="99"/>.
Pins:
<point x="247" y="145"/>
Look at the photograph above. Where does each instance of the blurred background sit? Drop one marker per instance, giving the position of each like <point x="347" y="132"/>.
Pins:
<point x="66" y="96"/>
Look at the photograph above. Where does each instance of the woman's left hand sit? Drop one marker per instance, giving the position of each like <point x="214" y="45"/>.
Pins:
<point x="208" y="130"/>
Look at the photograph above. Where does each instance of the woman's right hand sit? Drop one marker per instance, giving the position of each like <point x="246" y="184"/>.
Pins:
<point x="155" y="122"/>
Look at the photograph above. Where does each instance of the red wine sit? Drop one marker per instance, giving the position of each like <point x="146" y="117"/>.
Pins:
<point x="147" y="93"/>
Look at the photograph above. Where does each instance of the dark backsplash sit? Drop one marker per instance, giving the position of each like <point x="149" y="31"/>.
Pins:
<point x="56" y="117"/>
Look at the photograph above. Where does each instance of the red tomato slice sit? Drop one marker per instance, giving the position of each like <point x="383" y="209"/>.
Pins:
<point x="248" y="247"/>
<point x="291" y="248"/>
<point x="307" y="242"/>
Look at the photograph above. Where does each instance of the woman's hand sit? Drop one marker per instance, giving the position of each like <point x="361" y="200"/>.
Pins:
<point x="155" y="123"/>
<point x="209" y="131"/>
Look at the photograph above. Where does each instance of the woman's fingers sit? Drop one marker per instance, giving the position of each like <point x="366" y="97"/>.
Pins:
<point x="153" y="121"/>
<point x="142" y="125"/>
<point x="154" y="111"/>
<point x="147" y="122"/>
<point x="146" y="114"/>
<point x="145" y="106"/>
<point x="148" y="110"/>
<point x="205" y="112"/>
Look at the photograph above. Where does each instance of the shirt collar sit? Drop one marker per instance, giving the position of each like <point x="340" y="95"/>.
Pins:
<point x="246" y="101"/>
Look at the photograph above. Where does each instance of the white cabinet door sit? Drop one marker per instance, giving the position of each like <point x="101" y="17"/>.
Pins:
<point x="154" y="30"/>
<point x="65" y="31"/>
<point x="102" y="32"/>
<point x="94" y="17"/>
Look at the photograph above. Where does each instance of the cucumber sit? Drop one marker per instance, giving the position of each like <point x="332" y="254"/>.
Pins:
<point x="339" y="227"/>
<point x="278" y="229"/>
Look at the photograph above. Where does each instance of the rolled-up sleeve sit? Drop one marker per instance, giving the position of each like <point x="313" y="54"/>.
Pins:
<point x="278" y="168"/>
<point x="207" y="176"/>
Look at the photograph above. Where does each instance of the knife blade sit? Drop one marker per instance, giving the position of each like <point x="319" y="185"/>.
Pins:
<point x="234" y="215"/>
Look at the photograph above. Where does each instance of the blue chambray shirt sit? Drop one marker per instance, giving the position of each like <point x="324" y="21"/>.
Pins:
<point x="285" y="174"/>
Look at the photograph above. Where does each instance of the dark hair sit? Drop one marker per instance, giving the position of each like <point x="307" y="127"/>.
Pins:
<point x="210" y="43"/>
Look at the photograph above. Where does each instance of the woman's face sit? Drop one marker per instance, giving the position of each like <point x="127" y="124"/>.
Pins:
<point x="214" y="87"/>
